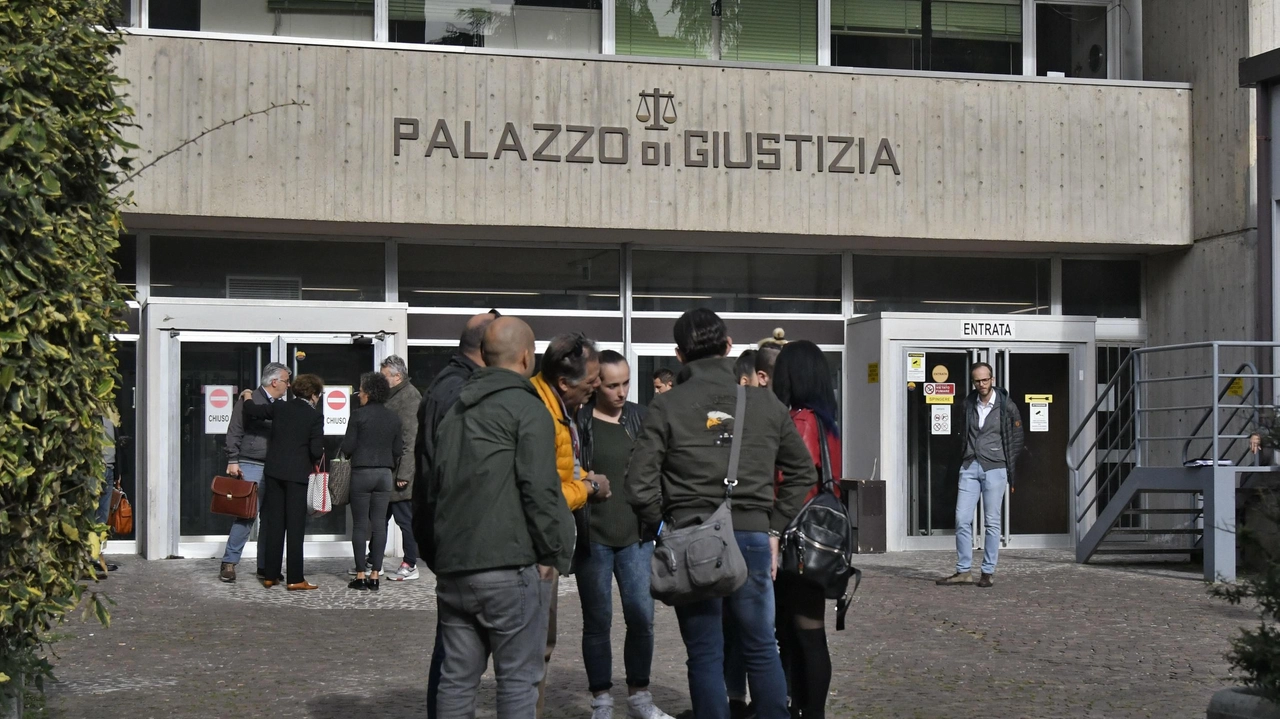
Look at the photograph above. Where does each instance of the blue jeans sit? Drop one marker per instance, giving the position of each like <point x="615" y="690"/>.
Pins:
<point x="975" y="482"/>
<point x="702" y="627"/>
<point x="104" y="500"/>
<point x="595" y="588"/>
<point x="240" y="528"/>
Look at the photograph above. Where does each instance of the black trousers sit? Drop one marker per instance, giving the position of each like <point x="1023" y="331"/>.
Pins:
<point x="284" y="511"/>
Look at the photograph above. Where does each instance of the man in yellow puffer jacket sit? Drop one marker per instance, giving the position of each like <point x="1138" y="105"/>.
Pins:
<point x="570" y="374"/>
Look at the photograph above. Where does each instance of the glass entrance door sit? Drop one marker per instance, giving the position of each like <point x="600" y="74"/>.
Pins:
<point x="1038" y="380"/>
<point x="213" y="367"/>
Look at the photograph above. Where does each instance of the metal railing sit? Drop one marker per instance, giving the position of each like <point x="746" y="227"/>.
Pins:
<point x="1123" y="437"/>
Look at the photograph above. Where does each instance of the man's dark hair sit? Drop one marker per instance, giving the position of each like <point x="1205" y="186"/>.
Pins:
<point x="611" y="357"/>
<point x="469" y="342"/>
<point x="766" y="356"/>
<point x="802" y="380"/>
<point x="375" y="386"/>
<point x="746" y="364"/>
<point x="700" y="334"/>
<point x="566" y="358"/>
<point x="664" y="375"/>
<point x="976" y="365"/>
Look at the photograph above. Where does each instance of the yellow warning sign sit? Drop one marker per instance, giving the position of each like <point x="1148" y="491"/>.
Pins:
<point x="1045" y="398"/>
<point x="873" y="373"/>
<point x="939" y="399"/>
<point x="1236" y="388"/>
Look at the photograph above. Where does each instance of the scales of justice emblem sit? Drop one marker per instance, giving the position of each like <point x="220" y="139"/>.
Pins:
<point x="668" y="109"/>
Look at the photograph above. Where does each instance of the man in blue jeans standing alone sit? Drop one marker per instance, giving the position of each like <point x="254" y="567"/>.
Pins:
<point x="246" y="453"/>
<point x="993" y="443"/>
<point x="678" y="470"/>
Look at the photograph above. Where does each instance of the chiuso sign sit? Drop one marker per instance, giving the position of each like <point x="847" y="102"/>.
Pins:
<point x="615" y="145"/>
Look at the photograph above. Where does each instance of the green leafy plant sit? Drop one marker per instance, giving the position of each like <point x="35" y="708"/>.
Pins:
<point x="1255" y="653"/>
<point x="60" y="155"/>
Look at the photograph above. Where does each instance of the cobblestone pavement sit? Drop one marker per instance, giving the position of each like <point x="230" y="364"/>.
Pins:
<point x="1051" y="639"/>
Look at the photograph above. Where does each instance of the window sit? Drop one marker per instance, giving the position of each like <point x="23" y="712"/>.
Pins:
<point x="330" y="19"/>
<point x="950" y="284"/>
<point x="1102" y="288"/>
<point x="122" y="13"/>
<point x="982" y="36"/>
<point x="1071" y="40"/>
<point x="778" y="31"/>
<point x="514" y="277"/>
<point x="268" y="269"/>
<point x="126" y="261"/>
<point x="736" y="282"/>
<point x="554" y="25"/>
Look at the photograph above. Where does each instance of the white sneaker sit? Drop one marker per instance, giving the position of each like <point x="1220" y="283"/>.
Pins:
<point x="403" y="573"/>
<point x="602" y="707"/>
<point x="640" y="706"/>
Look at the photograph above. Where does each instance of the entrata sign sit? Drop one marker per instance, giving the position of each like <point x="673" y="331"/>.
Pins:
<point x="612" y="145"/>
<point x="336" y="402"/>
<point x="217" y="408"/>
<point x="987" y="330"/>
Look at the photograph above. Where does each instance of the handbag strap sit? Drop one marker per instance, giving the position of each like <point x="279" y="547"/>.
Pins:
<point x="735" y="448"/>
<point x="828" y="478"/>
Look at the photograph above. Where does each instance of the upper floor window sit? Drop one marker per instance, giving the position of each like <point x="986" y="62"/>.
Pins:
<point x="331" y="19"/>
<point x="550" y="25"/>
<point x="1071" y="40"/>
<point x="977" y="36"/>
<point x="774" y="31"/>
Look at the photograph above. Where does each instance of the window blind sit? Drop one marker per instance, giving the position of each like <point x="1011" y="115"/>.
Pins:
<point x="773" y="31"/>
<point x="978" y="21"/>
<point x="782" y="31"/>
<point x="663" y="28"/>
<point x="878" y="16"/>
<point x="343" y="7"/>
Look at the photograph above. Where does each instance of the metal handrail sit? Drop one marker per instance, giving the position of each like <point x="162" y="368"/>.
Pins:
<point x="1101" y="480"/>
<point x="1186" y="446"/>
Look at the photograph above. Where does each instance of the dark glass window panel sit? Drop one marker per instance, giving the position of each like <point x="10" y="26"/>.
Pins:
<point x="268" y="269"/>
<point x="1102" y="288"/>
<point x="516" y="277"/>
<point x="736" y="282"/>
<point x="126" y="259"/>
<point x="127" y="427"/>
<point x="938" y="35"/>
<point x="889" y="53"/>
<point x="1072" y="40"/>
<point x="174" y="14"/>
<point x="122" y="13"/>
<point x="984" y="56"/>
<point x="950" y="284"/>
<point x="560" y="25"/>
<point x="427" y="362"/>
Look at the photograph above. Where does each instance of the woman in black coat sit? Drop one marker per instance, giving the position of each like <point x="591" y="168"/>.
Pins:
<point x="295" y="445"/>
<point x="374" y="442"/>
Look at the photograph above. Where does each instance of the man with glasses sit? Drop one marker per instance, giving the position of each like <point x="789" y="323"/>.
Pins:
<point x="246" y="454"/>
<point x="992" y="445"/>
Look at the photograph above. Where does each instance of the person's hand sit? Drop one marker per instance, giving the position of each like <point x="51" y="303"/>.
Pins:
<point x="546" y="574"/>
<point x="402" y="483"/>
<point x="775" y="552"/>
<point x="603" y="492"/>
<point x="247" y="394"/>
<point x="233" y="469"/>
<point x="1255" y="443"/>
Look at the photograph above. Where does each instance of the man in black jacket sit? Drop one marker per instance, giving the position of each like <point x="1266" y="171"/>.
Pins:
<point x="678" y="471"/>
<point x="503" y="529"/>
<point x="436" y="402"/>
<point x="992" y="445"/>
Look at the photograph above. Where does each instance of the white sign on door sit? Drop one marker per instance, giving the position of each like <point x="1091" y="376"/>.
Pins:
<point x="1039" y="417"/>
<point x="915" y="367"/>
<point x="218" y="402"/>
<point x="337" y="409"/>
<point x="941" y="420"/>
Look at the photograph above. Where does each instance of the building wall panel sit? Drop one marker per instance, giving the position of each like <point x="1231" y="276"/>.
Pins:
<point x="998" y="160"/>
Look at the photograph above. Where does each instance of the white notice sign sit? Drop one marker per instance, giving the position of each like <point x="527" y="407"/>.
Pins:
<point x="915" y="367"/>
<point x="1001" y="330"/>
<point x="218" y="400"/>
<point x="337" y="409"/>
<point x="941" y="420"/>
<point x="1039" y="417"/>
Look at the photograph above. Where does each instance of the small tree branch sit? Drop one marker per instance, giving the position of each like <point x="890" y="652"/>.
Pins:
<point x="225" y="123"/>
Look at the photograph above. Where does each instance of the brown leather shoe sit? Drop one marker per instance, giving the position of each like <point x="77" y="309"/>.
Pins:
<point x="269" y="583"/>
<point x="228" y="572"/>
<point x="300" y="586"/>
<point x="957" y="579"/>
<point x="985" y="580"/>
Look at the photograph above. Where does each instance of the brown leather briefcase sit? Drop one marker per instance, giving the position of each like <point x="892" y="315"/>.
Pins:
<point x="234" y="496"/>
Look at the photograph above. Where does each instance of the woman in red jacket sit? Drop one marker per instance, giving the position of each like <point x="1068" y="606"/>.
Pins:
<point x="802" y="380"/>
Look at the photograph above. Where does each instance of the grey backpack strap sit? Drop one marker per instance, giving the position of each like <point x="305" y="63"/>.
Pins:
<point x="735" y="449"/>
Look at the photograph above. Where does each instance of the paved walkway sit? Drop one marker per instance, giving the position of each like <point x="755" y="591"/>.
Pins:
<point x="1052" y="639"/>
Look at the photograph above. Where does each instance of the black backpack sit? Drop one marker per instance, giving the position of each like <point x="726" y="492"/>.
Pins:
<point x="818" y="544"/>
